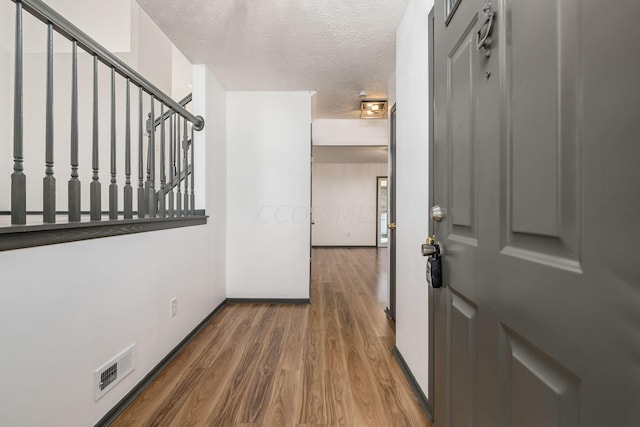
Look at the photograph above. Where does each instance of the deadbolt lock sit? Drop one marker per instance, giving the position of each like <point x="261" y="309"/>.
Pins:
<point x="437" y="213"/>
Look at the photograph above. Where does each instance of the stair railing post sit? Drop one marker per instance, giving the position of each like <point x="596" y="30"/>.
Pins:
<point x="113" y="187"/>
<point x="178" y="171"/>
<point x="163" y="177"/>
<point x="74" y="182"/>
<point x="95" y="188"/>
<point x="142" y="204"/>
<point x="18" y="178"/>
<point x="185" y="151"/>
<point x="49" y="181"/>
<point x="128" y="191"/>
<point x="151" y="171"/>
<point x="172" y="131"/>
<point x="193" y="195"/>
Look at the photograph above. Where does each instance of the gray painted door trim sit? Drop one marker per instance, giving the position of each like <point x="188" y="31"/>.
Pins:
<point x="391" y="310"/>
<point x="432" y="328"/>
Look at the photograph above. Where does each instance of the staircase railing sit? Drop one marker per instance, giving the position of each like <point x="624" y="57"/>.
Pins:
<point x="151" y="203"/>
<point x="181" y="158"/>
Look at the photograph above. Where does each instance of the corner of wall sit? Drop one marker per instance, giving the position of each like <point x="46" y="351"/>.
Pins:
<point x="412" y="166"/>
<point x="391" y="88"/>
<point x="210" y="102"/>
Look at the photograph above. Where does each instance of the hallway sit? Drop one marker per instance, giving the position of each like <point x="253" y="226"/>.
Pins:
<point x="328" y="363"/>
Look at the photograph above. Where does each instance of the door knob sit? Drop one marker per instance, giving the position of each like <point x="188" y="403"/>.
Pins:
<point x="391" y="226"/>
<point x="437" y="213"/>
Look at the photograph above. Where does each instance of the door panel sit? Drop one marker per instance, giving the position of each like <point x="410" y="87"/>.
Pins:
<point x="460" y="70"/>
<point x="541" y="128"/>
<point x="535" y="152"/>
<point x="536" y="390"/>
<point x="462" y="337"/>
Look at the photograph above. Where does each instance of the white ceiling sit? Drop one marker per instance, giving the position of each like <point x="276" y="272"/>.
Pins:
<point x="350" y="154"/>
<point x="334" y="47"/>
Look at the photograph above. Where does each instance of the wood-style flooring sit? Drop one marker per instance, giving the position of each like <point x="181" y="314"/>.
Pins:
<point x="324" y="364"/>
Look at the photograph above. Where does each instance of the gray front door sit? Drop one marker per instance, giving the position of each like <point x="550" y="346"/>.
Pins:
<point x="536" y="151"/>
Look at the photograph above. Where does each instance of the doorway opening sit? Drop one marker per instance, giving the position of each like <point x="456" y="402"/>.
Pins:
<point x="382" y="203"/>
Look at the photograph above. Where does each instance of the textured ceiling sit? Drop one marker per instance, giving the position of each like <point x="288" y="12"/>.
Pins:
<point x="333" y="47"/>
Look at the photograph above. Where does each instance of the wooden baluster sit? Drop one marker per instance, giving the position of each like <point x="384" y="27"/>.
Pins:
<point x="128" y="191"/>
<point x="18" y="178"/>
<point x="74" y="182"/>
<point x="49" y="181"/>
<point x="151" y="159"/>
<point x="172" y="131"/>
<point x="186" y="168"/>
<point x="193" y="195"/>
<point x="95" y="187"/>
<point x="142" y="204"/>
<point x="178" y="176"/>
<point x="163" y="177"/>
<point x="113" y="187"/>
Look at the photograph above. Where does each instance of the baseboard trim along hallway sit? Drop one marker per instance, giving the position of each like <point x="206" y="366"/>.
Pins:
<point x="422" y="399"/>
<point x="268" y="301"/>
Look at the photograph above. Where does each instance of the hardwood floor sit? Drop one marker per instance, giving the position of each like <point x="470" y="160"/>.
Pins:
<point x="324" y="364"/>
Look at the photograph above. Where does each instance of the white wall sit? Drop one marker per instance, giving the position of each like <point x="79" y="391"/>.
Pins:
<point x="350" y="132"/>
<point x="210" y="101"/>
<point x="69" y="308"/>
<point x="392" y="90"/>
<point x="344" y="203"/>
<point x="155" y="55"/>
<point x="412" y="218"/>
<point x="109" y="23"/>
<point x="268" y="193"/>
<point x="181" y="76"/>
<point x="85" y="302"/>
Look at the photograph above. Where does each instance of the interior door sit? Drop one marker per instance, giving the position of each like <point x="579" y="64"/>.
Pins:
<point x="391" y="309"/>
<point x="535" y="171"/>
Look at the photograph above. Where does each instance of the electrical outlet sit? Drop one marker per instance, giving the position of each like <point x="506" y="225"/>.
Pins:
<point x="173" y="307"/>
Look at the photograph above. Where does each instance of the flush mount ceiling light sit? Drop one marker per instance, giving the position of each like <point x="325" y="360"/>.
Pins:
<point x="373" y="109"/>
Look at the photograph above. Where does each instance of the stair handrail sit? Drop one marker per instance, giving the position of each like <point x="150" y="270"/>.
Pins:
<point x="185" y="123"/>
<point x="46" y="14"/>
<point x="183" y="102"/>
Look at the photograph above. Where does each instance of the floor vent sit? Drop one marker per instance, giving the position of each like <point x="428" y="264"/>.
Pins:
<point x="112" y="372"/>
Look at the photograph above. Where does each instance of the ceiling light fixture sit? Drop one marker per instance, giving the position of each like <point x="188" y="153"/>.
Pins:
<point x="373" y="109"/>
